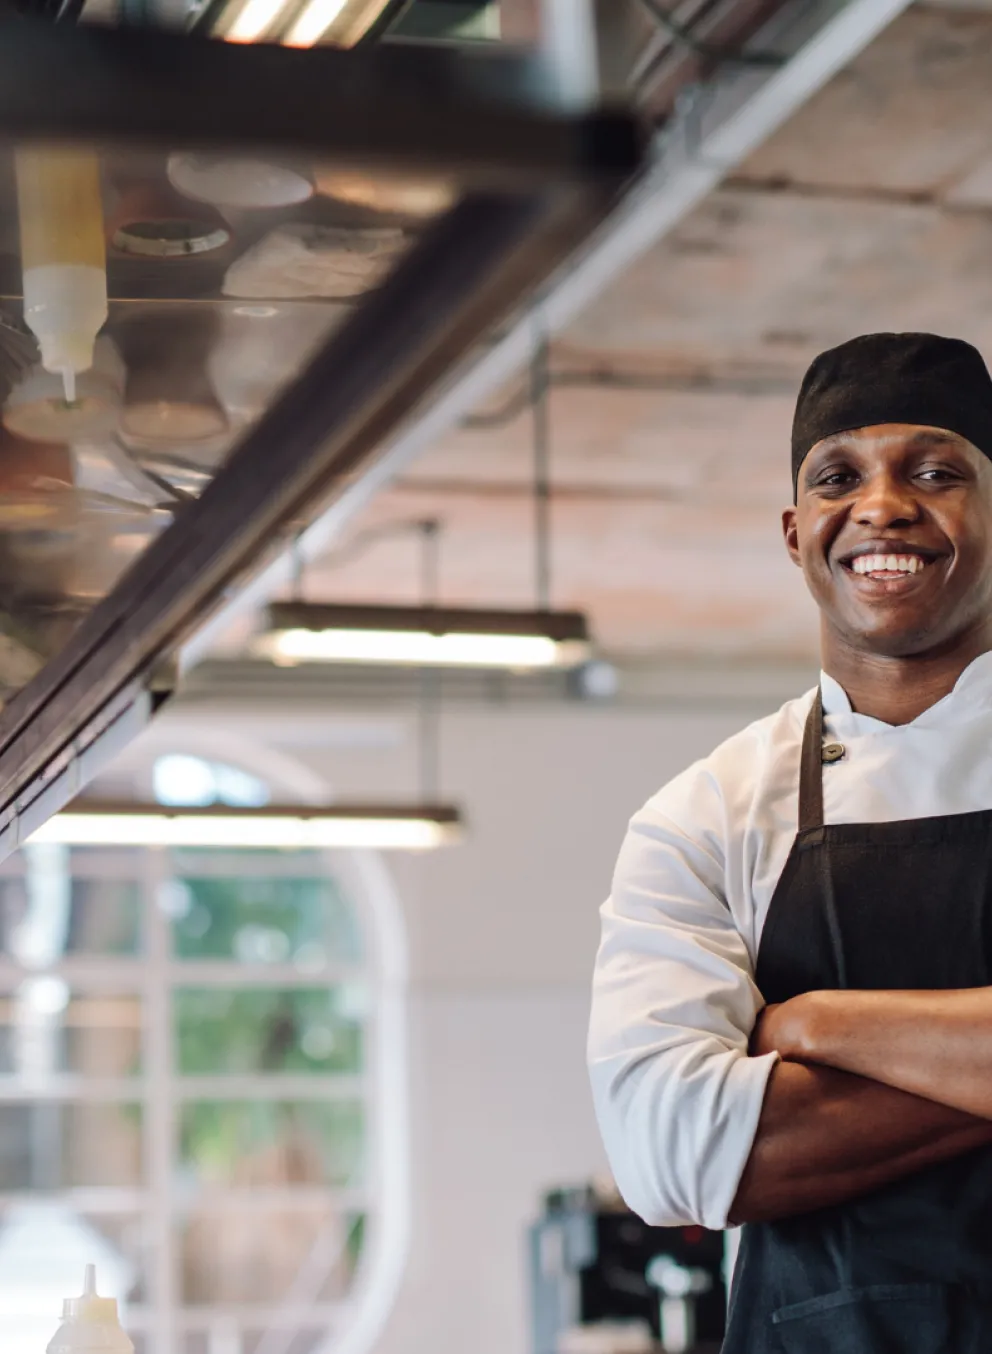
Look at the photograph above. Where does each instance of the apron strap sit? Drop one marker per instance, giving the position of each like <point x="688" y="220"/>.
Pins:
<point x="811" y="768"/>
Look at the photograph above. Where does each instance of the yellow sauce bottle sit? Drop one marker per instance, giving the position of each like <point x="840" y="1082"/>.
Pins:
<point x="63" y="256"/>
<point x="90" y="1324"/>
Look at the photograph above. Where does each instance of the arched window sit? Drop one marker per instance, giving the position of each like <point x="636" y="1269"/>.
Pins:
<point x="179" y="779"/>
<point x="202" y="1086"/>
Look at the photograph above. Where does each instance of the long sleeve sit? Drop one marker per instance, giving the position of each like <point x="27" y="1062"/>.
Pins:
<point x="674" y="1002"/>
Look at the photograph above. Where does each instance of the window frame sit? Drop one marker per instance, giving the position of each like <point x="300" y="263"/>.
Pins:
<point x="154" y="973"/>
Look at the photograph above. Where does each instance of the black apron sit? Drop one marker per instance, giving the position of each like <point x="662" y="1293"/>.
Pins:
<point x="906" y="1269"/>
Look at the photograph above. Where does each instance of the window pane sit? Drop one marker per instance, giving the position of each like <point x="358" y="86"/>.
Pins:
<point x="102" y="917"/>
<point x="65" y="1146"/>
<point x="260" y="920"/>
<point x="268" y="1030"/>
<point x="104" y="863"/>
<point x="46" y="1029"/>
<point x="272" y="1142"/>
<point x="128" y="1236"/>
<point x="224" y="1261"/>
<point x="106" y="917"/>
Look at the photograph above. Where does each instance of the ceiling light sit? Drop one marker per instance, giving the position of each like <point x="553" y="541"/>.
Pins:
<point x="340" y="22"/>
<point x="306" y="632"/>
<point x="313" y="23"/>
<point x="255" y="18"/>
<point x="415" y="827"/>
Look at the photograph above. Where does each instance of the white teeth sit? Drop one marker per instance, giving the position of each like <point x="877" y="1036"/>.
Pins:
<point x="888" y="564"/>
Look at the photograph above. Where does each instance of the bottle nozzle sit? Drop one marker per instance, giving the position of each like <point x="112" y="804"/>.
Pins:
<point x="89" y="1306"/>
<point x="69" y="384"/>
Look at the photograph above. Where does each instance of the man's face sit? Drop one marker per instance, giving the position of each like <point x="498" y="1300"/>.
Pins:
<point x="893" y="532"/>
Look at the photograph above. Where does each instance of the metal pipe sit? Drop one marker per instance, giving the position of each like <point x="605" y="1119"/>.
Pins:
<point x="634" y="381"/>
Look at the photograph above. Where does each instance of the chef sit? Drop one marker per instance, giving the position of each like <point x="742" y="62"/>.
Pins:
<point x="792" y="1011"/>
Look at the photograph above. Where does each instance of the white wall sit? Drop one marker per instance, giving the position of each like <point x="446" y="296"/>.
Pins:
<point x="502" y="933"/>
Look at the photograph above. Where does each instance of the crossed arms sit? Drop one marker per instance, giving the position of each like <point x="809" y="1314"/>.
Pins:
<point x="872" y="1086"/>
<point x="701" y="1126"/>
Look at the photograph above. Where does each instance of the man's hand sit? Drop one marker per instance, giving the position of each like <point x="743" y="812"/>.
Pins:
<point x="825" y="1137"/>
<point x="921" y="1093"/>
<point x="933" y="1044"/>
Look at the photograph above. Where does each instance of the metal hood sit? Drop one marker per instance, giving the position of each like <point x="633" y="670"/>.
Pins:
<point x="302" y="247"/>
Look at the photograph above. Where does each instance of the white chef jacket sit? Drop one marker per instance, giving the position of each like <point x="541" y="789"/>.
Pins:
<point x="674" y="998"/>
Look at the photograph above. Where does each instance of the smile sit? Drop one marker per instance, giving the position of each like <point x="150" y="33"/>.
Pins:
<point x="888" y="566"/>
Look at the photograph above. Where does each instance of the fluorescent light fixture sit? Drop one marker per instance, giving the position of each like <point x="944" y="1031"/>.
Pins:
<point x="341" y="22"/>
<point x="307" y="632"/>
<point x="416" y="646"/>
<point x="418" y="827"/>
<point x="313" y="22"/>
<point x="255" y="18"/>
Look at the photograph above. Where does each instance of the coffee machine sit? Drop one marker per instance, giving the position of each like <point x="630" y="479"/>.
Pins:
<point x="604" y="1282"/>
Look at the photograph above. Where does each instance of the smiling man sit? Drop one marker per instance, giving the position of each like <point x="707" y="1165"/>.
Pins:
<point x="792" y="1013"/>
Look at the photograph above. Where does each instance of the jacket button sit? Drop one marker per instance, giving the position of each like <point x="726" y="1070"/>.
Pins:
<point x="832" y="752"/>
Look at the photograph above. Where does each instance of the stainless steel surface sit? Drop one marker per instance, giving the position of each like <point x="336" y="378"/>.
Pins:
<point x="299" y="247"/>
<point x="197" y="345"/>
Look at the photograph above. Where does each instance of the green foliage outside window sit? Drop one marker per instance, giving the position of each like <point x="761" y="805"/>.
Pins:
<point x="302" y="921"/>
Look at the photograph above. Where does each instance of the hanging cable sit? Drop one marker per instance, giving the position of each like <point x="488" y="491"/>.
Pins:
<point x="542" y="480"/>
<point x="296" y="567"/>
<point x="430" y="678"/>
<point x="430" y="561"/>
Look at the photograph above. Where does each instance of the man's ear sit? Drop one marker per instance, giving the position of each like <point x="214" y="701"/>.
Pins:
<point x="790" y="531"/>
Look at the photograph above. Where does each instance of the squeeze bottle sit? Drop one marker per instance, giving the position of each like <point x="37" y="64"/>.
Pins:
<point x="90" y="1324"/>
<point x="63" y="256"/>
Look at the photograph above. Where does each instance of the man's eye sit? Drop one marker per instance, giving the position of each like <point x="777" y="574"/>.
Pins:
<point x="833" y="479"/>
<point x="938" y="475"/>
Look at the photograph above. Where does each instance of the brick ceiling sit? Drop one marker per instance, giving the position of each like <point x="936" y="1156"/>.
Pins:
<point x="871" y="209"/>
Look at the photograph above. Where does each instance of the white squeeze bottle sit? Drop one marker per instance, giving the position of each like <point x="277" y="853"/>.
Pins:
<point x="63" y="255"/>
<point x="90" y="1324"/>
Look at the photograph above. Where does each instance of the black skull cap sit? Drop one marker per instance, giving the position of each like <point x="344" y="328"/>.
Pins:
<point x="921" y="379"/>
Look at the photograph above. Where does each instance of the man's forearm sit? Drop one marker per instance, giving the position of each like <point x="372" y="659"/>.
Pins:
<point x="932" y="1044"/>
<point x="826" y="1136"/>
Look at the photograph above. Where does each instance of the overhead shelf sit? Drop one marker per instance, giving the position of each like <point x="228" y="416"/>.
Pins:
<point x="267" y="329"/>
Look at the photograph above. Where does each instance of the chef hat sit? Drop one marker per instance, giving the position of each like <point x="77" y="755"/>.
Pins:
<point x="922" y="379"/>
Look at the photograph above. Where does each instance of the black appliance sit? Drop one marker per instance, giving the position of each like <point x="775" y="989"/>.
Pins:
<point x="594" y="1263"/>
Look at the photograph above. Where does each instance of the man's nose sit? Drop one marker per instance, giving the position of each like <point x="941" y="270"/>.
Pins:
<point x="886" y="501"/>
